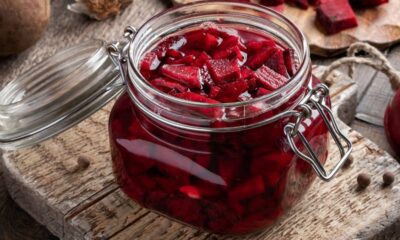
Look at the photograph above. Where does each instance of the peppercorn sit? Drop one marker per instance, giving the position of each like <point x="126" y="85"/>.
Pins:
<point x="388" y="178"/>
<point x="348" y="162"/>
<point x="363" y="180"/>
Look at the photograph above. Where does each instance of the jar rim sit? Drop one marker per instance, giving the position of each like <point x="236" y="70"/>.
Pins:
<point x="295" y="80"/>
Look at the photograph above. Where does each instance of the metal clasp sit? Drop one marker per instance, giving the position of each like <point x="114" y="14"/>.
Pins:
<point x="316" y="101"/>
<point x="118" y="52"/>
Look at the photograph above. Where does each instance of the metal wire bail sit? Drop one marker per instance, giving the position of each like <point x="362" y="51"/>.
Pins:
<point x="118" y="52"/>
<point x="315" y="101"/>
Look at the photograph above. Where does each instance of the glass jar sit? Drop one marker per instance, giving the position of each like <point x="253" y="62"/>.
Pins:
<point x="227" y="168"/>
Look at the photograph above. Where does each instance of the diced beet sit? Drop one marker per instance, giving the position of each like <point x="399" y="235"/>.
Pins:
<point x="187" y="75"/>
<point x="314" y="2"/>
<point x="303" y="4"/>
<point x="201" y="40"/>
<point x="254" y="46"/>
<point x="166" y="86"/>
<point x="252" y="83"/>
<point x="187" y="60"/>
<point x="290" y="61"/>
<point x="223" y="70"/>
<point x="231" y="91"/>
<point x="262" y="91"/>
<point x="267" y="164"/>
<point x="230" y="47"/>
<point x="276" y="62"/>
<point x="166" y="184"/>
<point x="150" y="62"/>
<point x="187" y="210"/>
<point x="367" y="3"/>
<point x="259" y="58"/>
<point x="248" y="189"/>
<point x="174" y="53"/>
<point x="336" y="15"/>
<point x="269" y="79"/>
<point x="190" y="191"/>
<point x="190" y="96"/>
<point x="233" y="52"/>
<point x="210" y="42"/>
<point x="271" y="2"/>
<point x="214" y="92"/>
<point x="156" y="199"/>
<point x="246" y="72"/>
<point x="232" y="41"/>
<point x="201" y="59"/>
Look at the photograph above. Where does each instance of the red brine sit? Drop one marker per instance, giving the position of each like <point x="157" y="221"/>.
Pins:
<point x="231" y="182"/>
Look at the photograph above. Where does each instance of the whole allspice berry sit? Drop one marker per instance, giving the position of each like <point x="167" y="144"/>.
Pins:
<point x="388" y="178"/>
<point x="363" y="180"/>
<point x="348" y="162"/>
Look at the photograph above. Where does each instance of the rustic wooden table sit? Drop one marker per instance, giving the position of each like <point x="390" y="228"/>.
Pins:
<point x="67" y="28"/>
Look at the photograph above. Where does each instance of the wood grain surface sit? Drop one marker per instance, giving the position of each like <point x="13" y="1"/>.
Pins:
<point x="379" y="26"/>
<point x="66" y="29"/>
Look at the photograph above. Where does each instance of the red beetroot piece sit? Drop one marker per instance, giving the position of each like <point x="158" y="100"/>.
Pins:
<point x="269" y="79"/>
<point x="187" y="75"/>
<point x="252" y="187"/>
<point x="223" y="70"/>
<point x="290" y="61"/>
<point x="259" y="58"/>
<point x="166" y="85"/>
<point x="231" y="91"/>
<point x="367" y="3"/>
<point x="336" y="15"/>
<point x="277" y="62"/>
<point x="303" y="4"/>
<point x="271" y="2"/>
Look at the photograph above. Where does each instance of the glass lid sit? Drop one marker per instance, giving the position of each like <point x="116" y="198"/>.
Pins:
<point x="57" y="94"/>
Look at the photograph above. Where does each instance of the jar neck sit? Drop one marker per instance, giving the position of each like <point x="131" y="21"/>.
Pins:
<point x="203" y="117"/>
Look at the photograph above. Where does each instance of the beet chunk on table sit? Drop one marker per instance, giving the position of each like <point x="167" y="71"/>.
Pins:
<point x="367" y="3"/>
<point x="336" y="15"/>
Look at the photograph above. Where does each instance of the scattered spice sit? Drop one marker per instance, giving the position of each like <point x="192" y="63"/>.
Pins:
<point x="363" y="180"/>
<point x="388" y="178"/>
<point x="348" y="162"/>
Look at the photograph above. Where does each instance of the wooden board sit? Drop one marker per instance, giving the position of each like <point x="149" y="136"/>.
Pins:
<point x="379" y="26"/>
<point x="87" y="204"/>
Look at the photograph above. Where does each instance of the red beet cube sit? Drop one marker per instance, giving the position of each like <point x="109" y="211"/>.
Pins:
<point x="150" y="62"/>
<point x="259" y="58"/>
<point x="201" y="40"/>
<point x="230" y="92"/>
<point x="223" y="70"/>
<point x="277" y="62"/>
<point x="201" y="59"/>
<point x="290" y="61"/>
<point x="367" y="3"/>
<point x="336" y="15"/>
<point x="191" y="96"/>
<point x="299" y="3"/>
<point x="271" y="2"/>
<point x="262" y="91"/>
<point x="187" y="210"/>
<point x="254" y="46"/>
<point x="269" y="79"/>
<point x="187" y="75"/>
<point x="166" y="86"/>
<point x="248" y="189"/>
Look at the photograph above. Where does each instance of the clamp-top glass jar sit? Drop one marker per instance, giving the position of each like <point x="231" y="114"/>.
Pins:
<point x="234" y="172"/>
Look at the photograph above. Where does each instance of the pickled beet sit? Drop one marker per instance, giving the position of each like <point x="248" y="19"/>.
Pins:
<point x="214" y="62"/>
<point x="336" y="15"/>
<point x="232" y="182"/>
